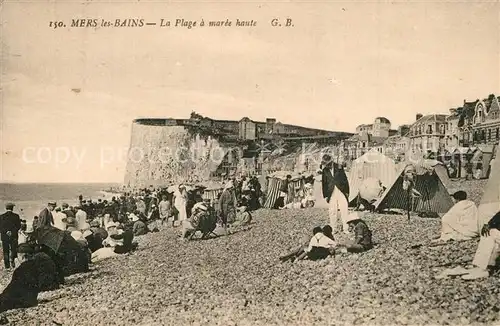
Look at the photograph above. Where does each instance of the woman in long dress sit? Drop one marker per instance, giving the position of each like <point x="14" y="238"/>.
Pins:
<point x="180" y="202"/>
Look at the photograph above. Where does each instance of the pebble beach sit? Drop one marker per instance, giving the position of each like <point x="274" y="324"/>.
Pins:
<point x="239" y="280"/>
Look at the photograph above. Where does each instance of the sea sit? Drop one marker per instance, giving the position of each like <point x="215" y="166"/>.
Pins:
<point x="31" y="198"/>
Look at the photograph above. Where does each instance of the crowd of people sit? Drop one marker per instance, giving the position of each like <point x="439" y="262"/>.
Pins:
<point x="460" y="223"/>
<point x="66" y="239"/>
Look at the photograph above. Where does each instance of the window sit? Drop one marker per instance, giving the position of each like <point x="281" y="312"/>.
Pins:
<point x="429" y="129"/>
<point x="489" y="134"/>
<point x="498" y="133"/>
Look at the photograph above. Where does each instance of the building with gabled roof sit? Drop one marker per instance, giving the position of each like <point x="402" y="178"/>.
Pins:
<point x="428" y="133"/>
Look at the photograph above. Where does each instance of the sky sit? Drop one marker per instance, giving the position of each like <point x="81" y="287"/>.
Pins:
<point x="340" y="65"/>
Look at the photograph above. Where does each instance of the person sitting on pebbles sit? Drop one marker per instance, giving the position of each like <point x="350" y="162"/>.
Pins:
<point x="94" y="241"/>
<point x="487" y="251"/>
<point x="243" y="217"/>
<point x="36" y="273"/>
<point x="362" y="235"/>
<point x="320" y="246"/>
<point x="203" y="218"/>
<point x="119" y="241"/>
<point x="461" y="221"/>
<point x="138" y="226"/>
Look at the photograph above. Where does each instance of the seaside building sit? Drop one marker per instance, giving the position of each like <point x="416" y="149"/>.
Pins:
<point x="476" y="122"/>
<point x="453" y="137"/>
<point x="397" y="145"/>
<point x="428" y="133"/>
<point x="486" y="121"/>
<point x="367" y="137"/>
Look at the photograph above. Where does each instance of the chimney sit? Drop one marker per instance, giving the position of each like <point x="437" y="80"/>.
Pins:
<point x="418" y="116"/>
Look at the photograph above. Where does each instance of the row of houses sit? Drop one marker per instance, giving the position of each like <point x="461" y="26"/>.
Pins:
<point x="474" y="123"/>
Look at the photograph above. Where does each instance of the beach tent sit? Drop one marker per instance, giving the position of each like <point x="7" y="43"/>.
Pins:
<point x="490" y="202"/>
<point x="274" y="183"/>
<point x="437" y="166"/>
<point x="461" y="156"/>
<point x="481" y="157"/>
<point x="211" y="189"/>
<point x="371" y="165"/>
<point x="435" y="197"/>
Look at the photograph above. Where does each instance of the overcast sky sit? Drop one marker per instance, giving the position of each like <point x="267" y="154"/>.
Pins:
<point x="340" y="65"/>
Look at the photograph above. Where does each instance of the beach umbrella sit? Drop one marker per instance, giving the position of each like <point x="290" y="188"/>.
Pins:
<point x="50" y="236"/>
<point x="57" y="240"/>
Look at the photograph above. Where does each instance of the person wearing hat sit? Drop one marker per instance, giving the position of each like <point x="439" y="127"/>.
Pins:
<point x="180" y="202"/>
<point x="138" y="226"/>
<point x="336" y="192"/>
<point x="95" y="236"/>
<point x="81" y="217"/>
<point x="60" y="219"/>
<point x="111" y="228"/>
<point x="68" y="211"/>
<point x="192" y="224"/>
<point x="36" y="273"/>
<point x="362" y="235"/>
<point x="22" y="235"/>
<point x="45" y="218"/>
<point x="10" y="224"/>
<point x="227" y="205"/>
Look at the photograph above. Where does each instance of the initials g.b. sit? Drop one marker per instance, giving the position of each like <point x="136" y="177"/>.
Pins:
<point x="275" y="22"/>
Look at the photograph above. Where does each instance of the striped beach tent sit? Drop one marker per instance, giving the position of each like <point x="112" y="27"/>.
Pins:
<point x="432" y="164"/>
<point x="481" y="158"/>
<point x="211" y="189"/>
<point x="490" y="202"/>
<point x="371" y="165"/>
<point x="461" y="156"/>
<point x="435" y="197"/>
<point x="275" y="181"/>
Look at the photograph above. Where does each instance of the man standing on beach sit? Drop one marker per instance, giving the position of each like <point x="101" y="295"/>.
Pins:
<point x="10" y="223"/>
<point x="165" y="209"/>
<point x="335" y="191"/>
<point x="45" y="217"/>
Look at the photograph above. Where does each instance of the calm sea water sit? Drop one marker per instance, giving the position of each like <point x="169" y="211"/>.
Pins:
<point x="31" y="198"/>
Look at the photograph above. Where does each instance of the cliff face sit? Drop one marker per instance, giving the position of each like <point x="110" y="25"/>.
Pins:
<point x="161" y="154"/>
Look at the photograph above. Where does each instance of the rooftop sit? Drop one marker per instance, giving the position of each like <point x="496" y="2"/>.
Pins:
<point x="382" y="119"/>
<point x="432" y="118"/>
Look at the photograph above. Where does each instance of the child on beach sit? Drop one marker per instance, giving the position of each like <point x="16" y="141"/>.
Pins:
<point x="320" y="246"/>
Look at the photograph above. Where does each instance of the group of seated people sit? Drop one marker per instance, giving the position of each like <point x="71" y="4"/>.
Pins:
<point x="205" y="218"/>
<point x="323" y="244"/>
<point x="303" y="198"/>
<point x="462" y="223"/>
<point x="48" y="254"/>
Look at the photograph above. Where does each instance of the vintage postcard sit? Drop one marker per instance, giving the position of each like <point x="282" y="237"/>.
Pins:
<point x="249" y="163"/>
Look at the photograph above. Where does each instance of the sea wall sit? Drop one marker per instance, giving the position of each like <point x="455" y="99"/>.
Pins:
<point x="161" y="153"/>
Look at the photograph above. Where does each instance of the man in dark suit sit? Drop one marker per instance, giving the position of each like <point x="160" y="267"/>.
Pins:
<point x="10" y="223"/>
<point x="45" y="217"/>
<point x="327" y="181"/>
<point x="336" y="186"/>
